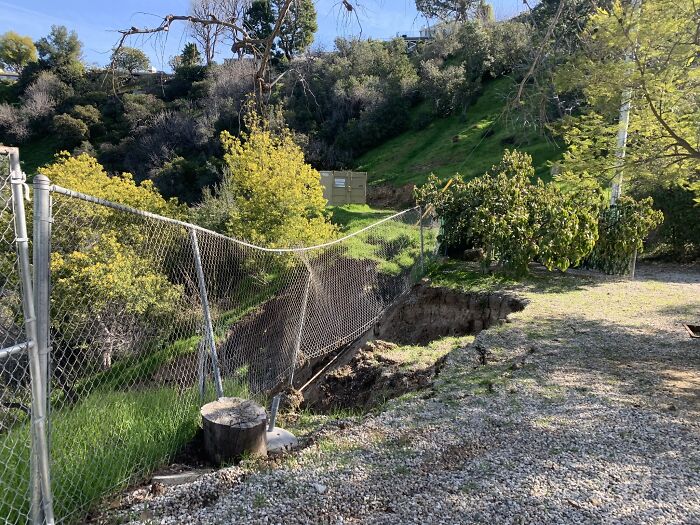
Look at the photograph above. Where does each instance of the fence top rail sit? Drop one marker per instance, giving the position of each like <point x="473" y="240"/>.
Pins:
<point x="135" y="211"/>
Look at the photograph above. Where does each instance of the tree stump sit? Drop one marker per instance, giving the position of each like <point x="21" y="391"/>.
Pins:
<point x="233" y="427"/>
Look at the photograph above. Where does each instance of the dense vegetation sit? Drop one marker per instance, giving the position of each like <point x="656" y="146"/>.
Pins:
<point x="548" y="83"/>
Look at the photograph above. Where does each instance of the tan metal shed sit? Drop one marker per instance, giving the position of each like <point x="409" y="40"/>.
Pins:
<point x="344" y="187"/>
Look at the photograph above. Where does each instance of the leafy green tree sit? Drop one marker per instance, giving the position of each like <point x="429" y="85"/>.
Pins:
<point x="298" y="28"/>
<point x="622" y="229"/>
<point x="130" y="59"/>
<point x="259" y="19"/>
<point x="189" y="58"/>
<point x="16" y="51"/>
<point x="513" y="220"/>
<point x="60" y="51"/>
<point x="459" y="10"/>
<point x="651" y="52"/>
<point x="87" y="113"/>
<point x="70" y="131"/>
<point x="269" y="195"/>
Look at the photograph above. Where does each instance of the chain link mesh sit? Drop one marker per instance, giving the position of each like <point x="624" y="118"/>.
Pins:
<point x="130" y="365"/>
<point x="15" y="391"/>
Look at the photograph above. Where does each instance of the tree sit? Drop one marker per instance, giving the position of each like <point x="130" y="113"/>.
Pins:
<point x="106" y="290"/>
<point x="513" y="220"/>
<point x="130" y="59"/>
<point x="653" y="53"/>
<point x="298" y="26"/>
<point x="259" y="19"/>
<point x="60" y="51"/>
<point x="459" y="10"/>
<point x="70" y="131"/>
<point x="190" y="56"/>
<point x="269" y="195"/>
<point x="208" y="35"/>
<point x="16" y="51"/>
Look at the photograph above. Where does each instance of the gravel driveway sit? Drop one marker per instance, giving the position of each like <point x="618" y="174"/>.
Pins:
<point x="586" y="412"/>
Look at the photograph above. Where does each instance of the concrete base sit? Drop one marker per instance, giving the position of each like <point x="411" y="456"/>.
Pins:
<point x="280" y="440"/>
<point x="180" y="478"/>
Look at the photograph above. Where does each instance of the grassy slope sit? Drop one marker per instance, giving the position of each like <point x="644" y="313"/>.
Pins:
<point x="413" y="155"/>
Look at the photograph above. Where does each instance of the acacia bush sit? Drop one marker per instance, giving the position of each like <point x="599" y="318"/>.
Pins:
<point x="514" y="220"/>
<point x="268" y="195"/>
<point x="622" y="230"/>
<point x="107" y="289"/>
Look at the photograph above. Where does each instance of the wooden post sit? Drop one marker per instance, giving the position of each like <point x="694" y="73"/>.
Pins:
<point x="234" y="427"/>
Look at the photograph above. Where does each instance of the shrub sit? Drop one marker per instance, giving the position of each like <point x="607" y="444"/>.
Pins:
<point x="13" y="128"/>
<point x="513" y="220"/>
<point x="84" y="174"/>
<point x="622" y="230"/>
<point x="140" y="109"/>
<point x="88" y="114"/>
<point x="445" y="86"/>
<point x="106" y="290"/>
<point x="44" y="95"/>
<point x="679" y="234"/>
<point x="69" y="131"/>
<point x="269" y="195"/>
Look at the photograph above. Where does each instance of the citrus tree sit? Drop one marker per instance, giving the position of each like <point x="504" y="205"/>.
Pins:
<point x="515" y="220"/>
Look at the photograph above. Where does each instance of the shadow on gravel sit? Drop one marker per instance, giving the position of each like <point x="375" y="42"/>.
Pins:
<point x="660" y="368"/>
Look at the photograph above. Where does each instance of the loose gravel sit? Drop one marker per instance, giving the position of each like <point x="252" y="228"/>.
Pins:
<point x="586" y="412"/>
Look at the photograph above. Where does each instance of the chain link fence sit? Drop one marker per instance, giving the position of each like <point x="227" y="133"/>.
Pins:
<point x="15" y="391"/>
<point x="152" y="317"/>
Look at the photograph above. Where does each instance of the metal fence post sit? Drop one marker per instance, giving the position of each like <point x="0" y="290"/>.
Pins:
<point x="41" y="266"/>
<point x="42" y="278"/>
<point x="208" y="327"/>
<point x="422" y="244"/>
<point x="302" y="320"/>
<point x="42" y="510"/>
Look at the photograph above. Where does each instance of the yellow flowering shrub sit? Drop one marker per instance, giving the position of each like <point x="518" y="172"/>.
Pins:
<point x="269" y="195"/>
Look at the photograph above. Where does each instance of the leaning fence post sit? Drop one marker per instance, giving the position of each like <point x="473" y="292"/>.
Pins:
<point x="208" y="327"/>
<point x="302" y="320"/>
<point x="42" y="510"/>
<point x="422" y="245"/>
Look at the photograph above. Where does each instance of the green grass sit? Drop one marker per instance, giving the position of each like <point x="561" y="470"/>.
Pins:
<point x="466" y="277"/>
<point x="101" y="444"/>
<point x="353" y="217"/>
<point x="37" y="153"/>
<point x="413" y="155"/>
<point x="122" y="428"/>
<point x="415" y="356"/>
<point x="394" y="245"/>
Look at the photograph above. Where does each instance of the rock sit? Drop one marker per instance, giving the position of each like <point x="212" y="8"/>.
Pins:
<point x="321" y="489"/>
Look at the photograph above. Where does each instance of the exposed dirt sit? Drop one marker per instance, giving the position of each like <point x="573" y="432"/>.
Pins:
<point x="368" y="379"/>
<point x="371" y="372"/>
<point x="257" y="341"/>
<point x="388" y="196"/>
<point x="428" y="313"/>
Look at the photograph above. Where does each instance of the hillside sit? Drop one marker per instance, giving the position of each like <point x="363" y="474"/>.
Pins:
<point x="468" y="144"/>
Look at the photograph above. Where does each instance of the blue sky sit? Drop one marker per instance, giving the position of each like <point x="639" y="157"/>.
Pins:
<point x="96" y="20"/>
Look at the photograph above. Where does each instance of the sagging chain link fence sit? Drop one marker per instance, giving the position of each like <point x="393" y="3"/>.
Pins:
<point x="149" y="318"/>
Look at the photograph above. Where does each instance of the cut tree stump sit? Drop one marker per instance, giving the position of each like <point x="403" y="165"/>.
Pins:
<point x="233" y="427"/>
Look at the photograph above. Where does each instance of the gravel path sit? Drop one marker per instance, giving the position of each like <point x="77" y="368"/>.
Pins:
<point x="586" y="412"/>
